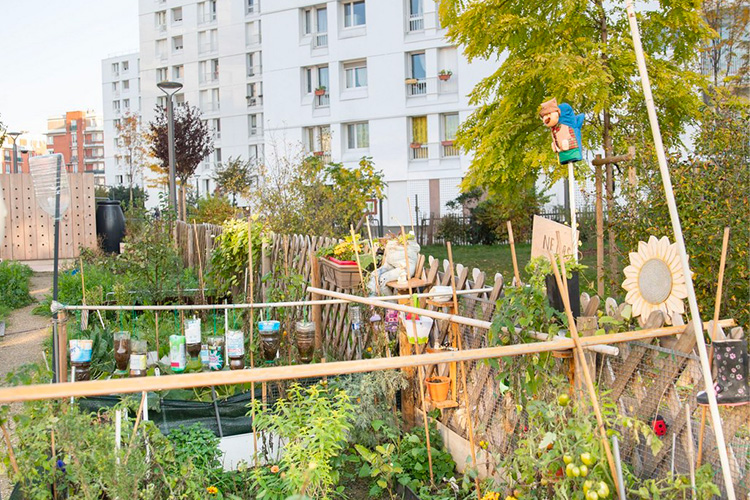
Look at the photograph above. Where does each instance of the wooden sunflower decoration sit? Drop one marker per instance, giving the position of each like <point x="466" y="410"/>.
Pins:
<point x="654" y="280"/>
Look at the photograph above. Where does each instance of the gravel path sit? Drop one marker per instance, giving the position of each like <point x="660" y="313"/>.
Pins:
<point x="23" y="343"/>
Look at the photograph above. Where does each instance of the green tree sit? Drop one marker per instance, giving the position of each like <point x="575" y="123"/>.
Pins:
<point x="131" y="148"/>
<point x="235" y="176"/>
<point x="726" y="58"/>
<point x="580" y="52"/>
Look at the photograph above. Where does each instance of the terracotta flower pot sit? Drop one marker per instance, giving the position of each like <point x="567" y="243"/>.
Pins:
<point x="444" y="78"/>
<point x="447" y="143"/>
<point x="416" y="145"/>
<point x="320" y="92"/>
<point x="437" y="388"/>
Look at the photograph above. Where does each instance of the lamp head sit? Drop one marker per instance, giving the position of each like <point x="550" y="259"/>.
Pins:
<point x="169" y="88"/>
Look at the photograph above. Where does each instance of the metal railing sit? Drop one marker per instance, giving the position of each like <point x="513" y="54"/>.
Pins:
<point x="254" y="70"/>
<point x="210" y="77"/>
<point x="449" y="86"/>
<point x="210" y="107"/>
<point x="207" y="17"/>
<point x="418" y="88"/>
<point x="252" y="7"/>
<point x="322" y="101"/>
<point x="320" y="40"/>
<point x="252" y="40"/>
<point x="449" y="150"/>
<point x="419" y="151"/>
<point x="255" y="131"/>
<point x="209" y="47"/>
<point x="161" y="28"/>
<point x="253" y="101"/>
<point x="416" y="22"/>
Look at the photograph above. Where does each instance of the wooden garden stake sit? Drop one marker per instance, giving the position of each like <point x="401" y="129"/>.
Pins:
<point x="11" y="454"/>
<point x="586" y="374"/>
<point x="512" y="254"/>
<point x="421" y="368"/>
<point x="355" y="246"/>
<point x="200" y="262"/>
<point x="250" y="298"/>
<point x="717" y="307"/>
<point x="135" y="427"/>
<point x="377" y="285"/>
<point x="457" y="334"/>
<point x="156" y="328"/>
<point x="54" y="460"/>
<point x="691" y="451"/>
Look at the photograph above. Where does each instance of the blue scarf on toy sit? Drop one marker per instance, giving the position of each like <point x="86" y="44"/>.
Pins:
<point x="572" y="120"/>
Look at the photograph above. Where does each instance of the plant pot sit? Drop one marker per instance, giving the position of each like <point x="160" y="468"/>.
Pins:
<point x="447" y="143"/>
<point x="343" y="275"/>
<point x="270" y="338"/>
<point x="411" y="81"/>
<point x="574" y="295"/>
<point x="416" y="145"/>
<point x="110" y="225"/>
<point x="444" y="78"/>
<point x="304" y="338"/>
<point x="417" y="330"/>
<point x="318" y="153"/>
<point x="320" y="92"/>
<point x="437" y="388"/>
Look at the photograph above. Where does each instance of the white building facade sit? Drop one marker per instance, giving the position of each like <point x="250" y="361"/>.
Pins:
<point x="341" y="79"/>
<point x="121" y="97"/>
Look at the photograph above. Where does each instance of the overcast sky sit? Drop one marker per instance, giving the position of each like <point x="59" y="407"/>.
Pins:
<point x="52" y="52"/>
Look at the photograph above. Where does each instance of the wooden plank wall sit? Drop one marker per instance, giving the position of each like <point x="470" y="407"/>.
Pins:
<point x="29" y="231"/>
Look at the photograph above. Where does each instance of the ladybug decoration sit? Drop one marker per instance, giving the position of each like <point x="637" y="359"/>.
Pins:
<point x="659" y="425"/>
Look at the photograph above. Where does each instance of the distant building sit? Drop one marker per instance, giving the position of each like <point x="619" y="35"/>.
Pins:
<point x="79" y="136"/>
<point x="121" y="85"/>
<point x="27" y="146"/>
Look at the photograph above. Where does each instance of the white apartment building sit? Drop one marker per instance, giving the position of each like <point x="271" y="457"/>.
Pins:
<point x="342" y="79"/>
<point x="121" y="96"/>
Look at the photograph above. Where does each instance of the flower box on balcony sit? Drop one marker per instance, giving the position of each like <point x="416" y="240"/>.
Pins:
<point x="411" y="81"/>
<point x="416" y="145"/>
<point x="447" y="143"/>
<point x="445" y="75"/>
<point x="318" y="153"/>
<point x="320" y="92"/>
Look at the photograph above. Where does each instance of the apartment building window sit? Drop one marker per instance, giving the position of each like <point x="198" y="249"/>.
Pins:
<point x="252" y="6"/>
<point x="179" y="98"/>
<point x="418" y="72"/>
<point x="215" y="126"/>
<point x="252" y="33"/>
<point x="125" y="66"/>
<point x="160" y="20"/>
<point x="177" y="44"/>
<point x="208" y="41"/>
<point x="177" y="15"/>
<point x="217" y="155"/>
<point x="318" y="140"/>
<point x="354" y="14"/>
<point x="161" y="101"/>
<point x="126" y="103"/>
<point x="254" y="151"/>
<point x="115" y="107"/>
<point x="161" y="50"/>
<point x="117" y="123"/>
<point x="253" y="63"/>
<point x="418" y="144"/>
<point x="357" y="136"/>
<point x="161" y="75"/>
<point x="416" y="15"/>
<point x="450" y="128"/>
<point x="315" y="24"/>
<point x="254" y="124"/>
<point x="316" y="78"/>
<point x="119" y="179"/>
<point x="115" y="69"/>
<point x="355" y="74"/>
<point x="126" y="85"/>
<point x="209" y="71"/>
<point x="178" y="72"/>
<point x="207" y="11"/>
<point x="209" y="100"/>
<point x="115" y="87"/>
<point x="254" y="94"/>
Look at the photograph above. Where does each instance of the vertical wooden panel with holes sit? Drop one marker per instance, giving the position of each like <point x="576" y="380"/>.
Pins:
<point x="16" y="217"/>
<point x="76" y="214"/>
<point x="6" y="247"/>
<point x="31" y="247"/>
<point x="88" y="208"/>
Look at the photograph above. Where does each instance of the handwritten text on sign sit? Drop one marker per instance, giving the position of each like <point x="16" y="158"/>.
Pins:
<point x="550" y="236"/>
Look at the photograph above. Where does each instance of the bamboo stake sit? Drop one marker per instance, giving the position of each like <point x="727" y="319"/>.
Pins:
<point x="573" y="222"/>
<point x="200" y="262"/>
<point x="355" y="245"/>
<point x="512" y="254"/>
<point x="714" y="330"/>
<point x="457" y="333"/>
<point x="420" y="375"/>
<point x="377" y="286"/>
<point x="250" y="297"/>
<point x="11" y="455"/>
<point x="680" y="240"/>
<point x="135" y="428"/>
<point x="585" y="369"/>
<point x="54" y="462"/>
<point x="691" y="450"/>
<point x="156" y="327"/>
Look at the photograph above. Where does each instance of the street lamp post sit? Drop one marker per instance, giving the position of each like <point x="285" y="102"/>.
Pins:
<point x="170" y="88"/>
<point x="14" y="136"/>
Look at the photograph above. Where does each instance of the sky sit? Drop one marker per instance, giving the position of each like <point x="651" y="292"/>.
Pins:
<point x="52" y="52"/>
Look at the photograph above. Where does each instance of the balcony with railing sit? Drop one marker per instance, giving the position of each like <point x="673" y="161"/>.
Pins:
<point x="216" y="134"/>
<point x="419" y="151"/>
<point x="322" y="100"/>
<point x="207" y="18"/>
<point x="447" y="84"/>
<point x="208" y="48"/>
<point x="210" y="107"/>
<point x="416" y="22"/>
<point x="209" y="77"/>
<point x="320" y="40"/>
<point x="256" y="70"/>
<point x="254" y="101"/>
<point x="324" y="156"/>
<point x="162" y="56"/>
<point x="252" y="40"/>
<point x="252" y="7"/>
<point x="415" y="87"/>
<point x="255" y="131"/>
<point x="161" y="28"/>
<point x="449" y="149"/>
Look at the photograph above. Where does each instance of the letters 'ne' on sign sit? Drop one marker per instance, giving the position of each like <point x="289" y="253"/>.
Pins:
<point x="550" y="236"/>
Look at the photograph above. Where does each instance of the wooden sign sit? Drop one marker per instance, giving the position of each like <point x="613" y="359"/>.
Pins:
<point x="550" y="236"/>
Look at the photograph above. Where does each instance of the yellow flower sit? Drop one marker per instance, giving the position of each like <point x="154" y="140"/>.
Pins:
<point x="212" y="490"/>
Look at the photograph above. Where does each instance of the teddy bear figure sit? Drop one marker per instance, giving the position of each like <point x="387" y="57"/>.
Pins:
<point x="565" y="126"/>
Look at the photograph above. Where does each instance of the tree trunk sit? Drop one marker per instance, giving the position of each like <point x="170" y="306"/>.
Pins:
<point x="181" y="202"/>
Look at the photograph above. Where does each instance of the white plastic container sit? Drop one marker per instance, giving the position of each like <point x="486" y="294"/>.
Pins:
<point x="417" y="330"/>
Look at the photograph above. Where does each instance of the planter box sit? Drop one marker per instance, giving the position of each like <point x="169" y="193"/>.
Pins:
<point x="574" y="295"/>
<point x="444" y="78"/>
<point x="411" y="81"/>
<point x="447" y="143"/>
<point x="416" y="145"/>
<point x="320" y="92"/>
<point x="343" y="275"/>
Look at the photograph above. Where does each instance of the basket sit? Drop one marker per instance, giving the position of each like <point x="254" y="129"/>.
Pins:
<point x="344" y="276"/>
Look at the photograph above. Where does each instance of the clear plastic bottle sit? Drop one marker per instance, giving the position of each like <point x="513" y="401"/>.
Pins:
<point x="80" y="358"/>
<point x="122" y="351"/>
<point x="235" y="341"/>
<point x="177" y="353"/>
<point x="193" y="344"/>
<point x="138" y="358"/>
<point x="216" y="352"/>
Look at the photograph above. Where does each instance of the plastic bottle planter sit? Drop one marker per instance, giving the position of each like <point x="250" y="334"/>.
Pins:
<point x="122" y="351"/>
<point x="270" y="338"/>
<point x="138" y="359"/>
<point x="193" y="344"/>
<point x="216" y="352"/>
<point x="304" y="338"/>
<point x="417" y="329"/>
<point x="236" y="349"/>
<point x="177" y="353"/>
<point x="80" y="358"/>
<point x="437" y="388"/>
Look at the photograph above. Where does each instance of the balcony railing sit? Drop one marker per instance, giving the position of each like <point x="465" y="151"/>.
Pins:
<point x="254" y="70"/>
<point x="210" y="107"/>
<point x="216" y="134"/>
<point x="416" y="22"/>
<point x="419" y="151"/>
<point x="255" y="131"/>
<point x="325" y="156"/>
<point x="161" y="28"/>
<point x="253" y="101"/>
<point x="210" y="77"/>
<point x="449" y="86"/>
<point x="206" y="48"/>
<point x="207" y="17"/>
<point x="252" y="40"/>
<point x="252" y="7"/>
<point x="162" y="56"/>
<point x="449" y="149"/>
<point x="320" y="40"/>
<point x="416" y="88"/>
<point x="322" y="101"/>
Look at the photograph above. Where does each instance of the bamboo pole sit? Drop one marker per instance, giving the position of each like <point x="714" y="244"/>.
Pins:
<point x="156" y="327"/>
<point x="512" y="254"/>
<point x="691" y="450"/>
<point x="251" y="298"/>
<point x="573" y="222"/>
<point x="457" y="334"/>
<point x="135" y="428"/>
<point x="680" y="240"/>
<point x="205" y="379"/>
<point x="355" y="245"/>
<point x="421" y="374"/>
<point x="11" y="454"/>
<point x="714" y="330"/>
<point x="200" y="262"/>
<point x="585" y="368"/>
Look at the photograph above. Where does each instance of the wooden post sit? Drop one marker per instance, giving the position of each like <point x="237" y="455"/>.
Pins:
<point x="11" y="455"/>
<point x="317" y="310"/>
<point x="599" y="230"/>
<point x="586" y="326"/>
<point x="512" y="243"/>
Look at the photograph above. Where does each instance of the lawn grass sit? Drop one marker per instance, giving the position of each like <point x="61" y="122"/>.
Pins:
<point x="497" y="259"/>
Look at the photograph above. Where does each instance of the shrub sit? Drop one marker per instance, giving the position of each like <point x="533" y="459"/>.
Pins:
<point x="14" y="284"/>
<point x="196" y="444"/>
<point x="451" y="229"/>
<point x="229" y="260"/>
<point x="212" y="210"/>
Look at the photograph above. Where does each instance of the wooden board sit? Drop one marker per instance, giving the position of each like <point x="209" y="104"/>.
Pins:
<point x="550" y="236"/>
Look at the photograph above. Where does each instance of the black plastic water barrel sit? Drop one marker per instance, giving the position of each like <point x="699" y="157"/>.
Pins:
<point x="110" y="224"/>
<point x="574" y="295"/>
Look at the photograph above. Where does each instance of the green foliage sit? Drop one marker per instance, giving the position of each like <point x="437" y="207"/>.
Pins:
<point x="303" y="195"/>
<point x="540" y="267"/>
<point x="229" y="261"/>
<point x="122" y="194"/>
<point x="313" y="424"/>
<point x="711" y="189"/>
<point x="235" y="177"/>
<point x="380" y="467"/>
<point x="556" y="49"/>
<point x="198" y="445"/>
<point x="212" y="209"/>
<point x="678" y="487"/>
<point x="14" y="284"/>
<point x="412" y="453"/>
